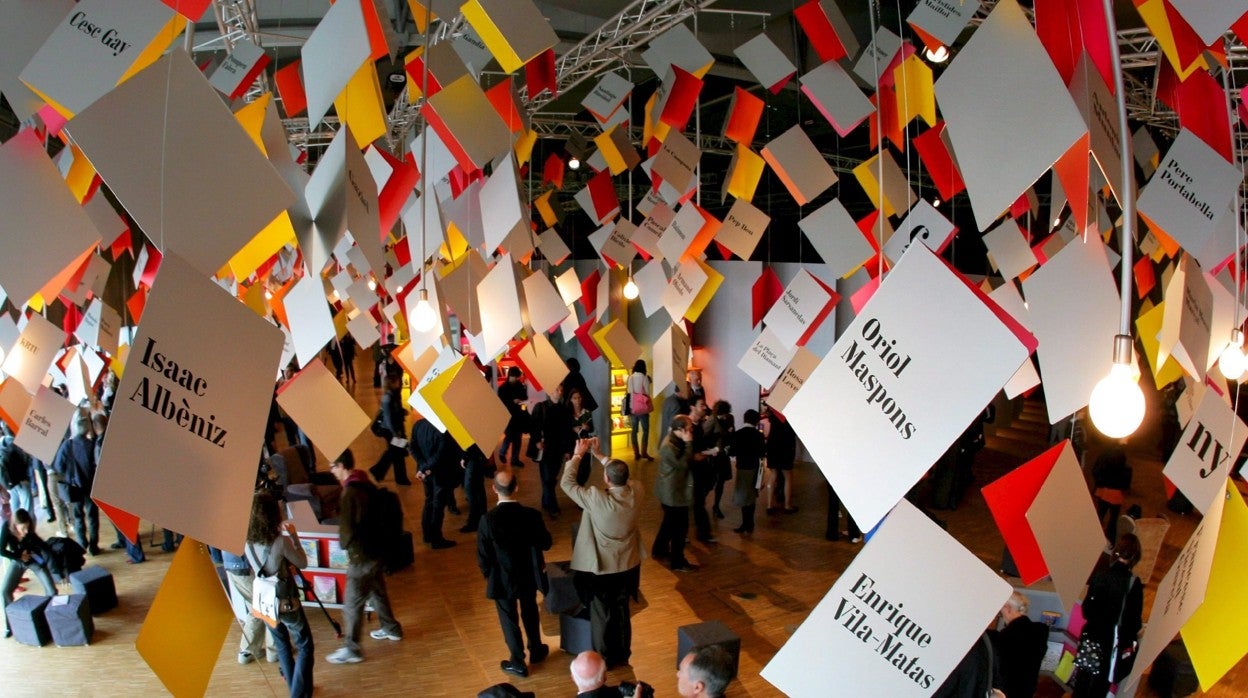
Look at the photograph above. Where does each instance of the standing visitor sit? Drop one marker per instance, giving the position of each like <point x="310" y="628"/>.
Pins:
<point x="510" y="540"/>
<point x="748" y="448"/>
<point x="272" y="547"/>
<point x="639" y="384"/>
<point x="358" y="535"/>
<point x="552" y="430"/>
<point x="75" y="466"/>
<point x="1113" y="609"/>
<point x="514" y="396"/>
<point x="674" y="490"/>
<point x="608" y="549"/>
<point x="393" y="417"/>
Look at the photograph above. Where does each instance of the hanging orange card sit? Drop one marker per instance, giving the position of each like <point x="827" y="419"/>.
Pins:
<point x="743" y="116"/>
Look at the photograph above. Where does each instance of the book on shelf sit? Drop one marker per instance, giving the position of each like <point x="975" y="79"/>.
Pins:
<point x="337" y="557"/>
<point x="311" y="550"/>
<point x="325" y="588"/>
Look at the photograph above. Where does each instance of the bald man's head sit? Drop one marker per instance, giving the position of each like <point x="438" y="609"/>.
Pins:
<point x="589" y="671"/>
<point x="505" y="483"/>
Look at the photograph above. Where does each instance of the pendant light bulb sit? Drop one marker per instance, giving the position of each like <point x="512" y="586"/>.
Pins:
<point x="574" y="163"/>
<point x="940" y="55"/>
<point x="630" y="289"/>
<point x="1232" y="363"/>
<point x="423" y="315"/>
<point x="1117" y="403"/>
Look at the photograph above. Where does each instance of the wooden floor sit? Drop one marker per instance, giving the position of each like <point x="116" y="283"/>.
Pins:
<point x="762" y="587"/>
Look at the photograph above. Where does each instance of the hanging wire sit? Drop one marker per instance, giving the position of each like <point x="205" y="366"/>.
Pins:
<point x="1227" y="83"/>
<point x="697" y="128"/>
<point x="906" y="104"/>
<point x="424" y="149"/>
<point x="875" y="17"/>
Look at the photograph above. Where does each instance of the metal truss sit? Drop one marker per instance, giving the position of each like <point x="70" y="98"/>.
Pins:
<point x="404" y="117"/>
<point x="629" y="30"/>
<point x="559" y="126"/>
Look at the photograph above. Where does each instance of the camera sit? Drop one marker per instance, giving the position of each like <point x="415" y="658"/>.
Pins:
<point x="640" y="689"/>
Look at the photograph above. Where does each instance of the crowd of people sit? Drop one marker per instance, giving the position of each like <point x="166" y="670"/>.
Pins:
<point x="702" y="448"/>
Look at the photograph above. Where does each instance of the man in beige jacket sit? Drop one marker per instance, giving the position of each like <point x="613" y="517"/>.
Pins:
<point x="608" y="547"/>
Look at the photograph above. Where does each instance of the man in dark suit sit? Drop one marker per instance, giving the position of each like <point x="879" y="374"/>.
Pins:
<point x="510" y="541"/>
<point x="439" y="465"/>
<point x="1020" y="648"/>
<point x="555" y="439"/>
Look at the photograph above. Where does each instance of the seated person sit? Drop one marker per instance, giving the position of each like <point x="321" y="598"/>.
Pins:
<point x="26" y="552"/>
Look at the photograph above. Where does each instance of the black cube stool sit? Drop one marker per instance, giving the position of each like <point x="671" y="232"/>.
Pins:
<point x="574" y="632"/>
<point x="69" y="620"/>
<point x="97" y="584"/>
<point x="712" y="632"/>
<point x="26" y="621"/>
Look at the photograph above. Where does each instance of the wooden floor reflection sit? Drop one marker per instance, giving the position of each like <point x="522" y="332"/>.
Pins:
<point x="761" y="586"/>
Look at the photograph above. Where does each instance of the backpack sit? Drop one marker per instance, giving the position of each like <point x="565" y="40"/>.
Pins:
<point x="14" y="464"/>
<point x="66" y="556"/>
<point x="383" y="524"/>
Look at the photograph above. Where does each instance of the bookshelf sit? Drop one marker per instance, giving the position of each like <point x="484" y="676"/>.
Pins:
<point x="621" y="428"/>
<point x="326" y="570"/>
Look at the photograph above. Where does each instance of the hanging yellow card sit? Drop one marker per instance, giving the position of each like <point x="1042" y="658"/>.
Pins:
<point x="618" y="344"/>
<point x="1216" y="636"/>
<point x="1153" y="12"/>
<point x="264" y="245"/>
<point x="524" y="146"/>
<point x="360" y="105"/>
<point x="916" y="95"/>
<point x="514" y="30"/>
<point x="182" y="635"/>
<point x="744" y="173"/>
<point x="713" y="281"/>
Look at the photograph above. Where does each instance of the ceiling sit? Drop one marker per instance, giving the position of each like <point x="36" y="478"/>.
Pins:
<point x="609" y="35"/>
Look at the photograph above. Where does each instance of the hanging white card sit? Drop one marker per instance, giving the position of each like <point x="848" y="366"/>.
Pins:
<point x="766" y="358"/>
<point x="44" y="425"/>
<point x="1205" y="455"/>
<point x="1005" y="72"/>
<point x="1073" y="305"/>
<point x="1189" y="194"/>
<point x="880" y="651"/>
<point x="29" y="359"/>
<point x="186" y="392"/>
<point x="311" y="325"/>
<point x="836" y="238"/>
<point x="866" y="413"/>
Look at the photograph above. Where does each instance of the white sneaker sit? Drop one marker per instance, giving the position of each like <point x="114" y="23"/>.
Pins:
<point x="383" y="634"/>
<point x="342" y="655"/>
<point x="244" y="657"/>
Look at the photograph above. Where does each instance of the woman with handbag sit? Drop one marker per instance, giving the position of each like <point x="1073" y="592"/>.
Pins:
<point x="1113" y="609"/>
<point x="639" y="408"/>
<point x="272" y="547"/>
